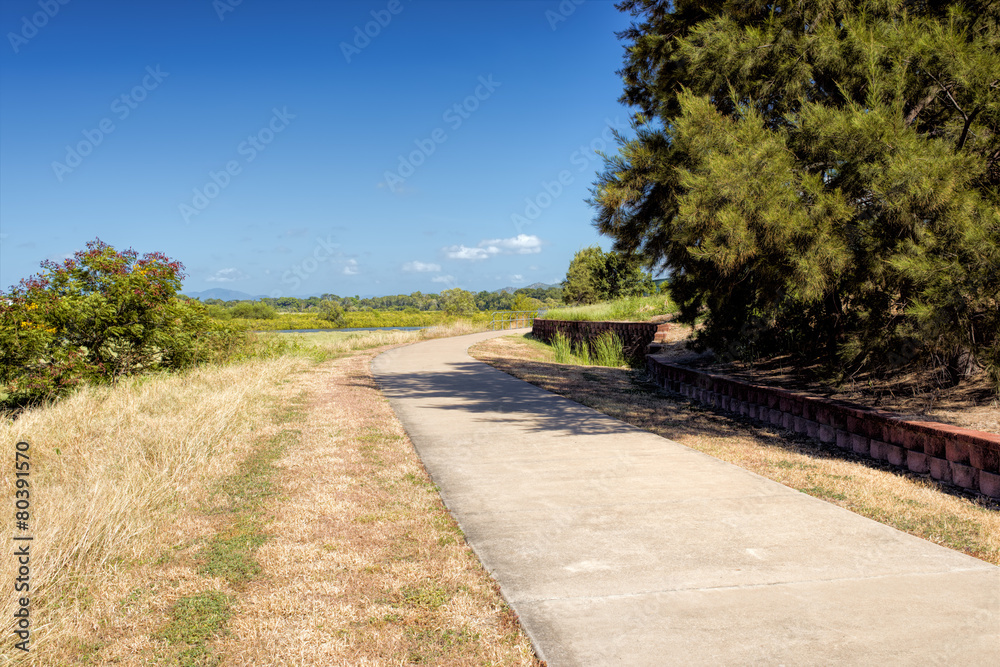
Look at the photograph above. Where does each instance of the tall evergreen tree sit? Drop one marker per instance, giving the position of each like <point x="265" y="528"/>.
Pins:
<point x="817" y="174"/>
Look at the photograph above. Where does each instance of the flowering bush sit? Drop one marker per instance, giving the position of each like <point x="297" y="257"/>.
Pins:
<point x="98" y="316"/>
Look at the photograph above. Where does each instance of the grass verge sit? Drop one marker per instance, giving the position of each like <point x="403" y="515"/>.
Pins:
<point x="183" y="519"/>
<point x="908" y="502"/>
<point x="364" y="555"/>
<point x="634" y="309"/>
<point x="117" y="474"/>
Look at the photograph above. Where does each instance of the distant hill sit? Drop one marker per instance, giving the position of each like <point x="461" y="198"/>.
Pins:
<point x="511" y="290"/>
<point x="223" y="294"/>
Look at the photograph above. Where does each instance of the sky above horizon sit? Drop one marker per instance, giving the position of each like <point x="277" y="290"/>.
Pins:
<point x="297" y="148"/>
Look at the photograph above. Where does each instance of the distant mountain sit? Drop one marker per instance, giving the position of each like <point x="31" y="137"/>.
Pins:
<point x="511" y="290"/>
<point x="223" y="294"/>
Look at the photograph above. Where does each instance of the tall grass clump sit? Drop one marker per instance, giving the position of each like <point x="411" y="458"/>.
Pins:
<point x="581" y="354"/>
<point x="562" y="348"/>
<point x="608" y="350"/>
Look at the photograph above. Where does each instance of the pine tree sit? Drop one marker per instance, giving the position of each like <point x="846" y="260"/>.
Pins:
<point x="817" y="175"/>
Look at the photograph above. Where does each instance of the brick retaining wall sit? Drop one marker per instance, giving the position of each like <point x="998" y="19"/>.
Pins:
<point x="969" y="459"/>
<point x="635" y="336"/>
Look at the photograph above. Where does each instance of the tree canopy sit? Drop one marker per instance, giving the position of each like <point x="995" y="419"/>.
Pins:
<point x="817" y="175"/>
<point x="595" y="275"/>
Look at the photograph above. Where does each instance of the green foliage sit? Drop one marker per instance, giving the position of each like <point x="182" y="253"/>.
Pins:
<point x="608" y="350"/>
<point x="98" y="316"/>
<point x="819" y="177"/>
<point x="632" y="309"/>
<point x="197" y="619"/>
<point x="332" y="312"/>
<point x="562" y="348"/>
<point x="524" y="302"/>
<point x="252" y="310"/>
<point x="595" y="275"/>
<point x="457" y="301"/>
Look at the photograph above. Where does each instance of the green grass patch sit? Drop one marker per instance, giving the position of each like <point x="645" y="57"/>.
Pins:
<point x="230" y="554"/>
<point x="634" y="309"/>
<point x="195" y="620"/>
<point x="426" y="596"/>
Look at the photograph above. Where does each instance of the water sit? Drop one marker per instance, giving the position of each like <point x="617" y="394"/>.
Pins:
<point x="343" y="330"/>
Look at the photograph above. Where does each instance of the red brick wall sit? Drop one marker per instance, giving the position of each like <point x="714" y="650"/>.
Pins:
<point x="966" y="458"/>
<point x="635" y="336"/>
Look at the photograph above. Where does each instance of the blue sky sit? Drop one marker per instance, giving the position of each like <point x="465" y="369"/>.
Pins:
<point x="276" y="148"/>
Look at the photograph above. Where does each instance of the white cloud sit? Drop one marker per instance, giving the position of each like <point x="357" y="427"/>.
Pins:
<point x="227" y="276"/>
<point x="464" y="252"/>
<point x="448" y="280"/>
<point x="351" y="269"/>
<point x="517" y="278"/>
<point x="420" y="267"/>
<point x="522" y="244"/>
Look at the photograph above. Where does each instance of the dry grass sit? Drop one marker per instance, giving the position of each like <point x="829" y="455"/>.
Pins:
<point x="270" y="512"/>
<point x="366" y="566"/>
<point x="908" y="502"/>
<point x="113" y="470"/>
<point x="324" y="345"/>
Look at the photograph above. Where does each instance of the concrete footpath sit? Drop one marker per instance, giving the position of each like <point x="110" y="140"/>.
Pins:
<point x="618" y="547"/>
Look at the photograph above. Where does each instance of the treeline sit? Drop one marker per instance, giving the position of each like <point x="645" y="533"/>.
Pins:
<point x="526" y="298"/>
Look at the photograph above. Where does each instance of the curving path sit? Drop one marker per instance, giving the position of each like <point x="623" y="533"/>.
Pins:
<point x="618" y="547"/>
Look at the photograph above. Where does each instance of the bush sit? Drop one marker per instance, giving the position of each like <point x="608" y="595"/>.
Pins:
<point x="98" y="316"/>
<point x="252" y="310"/>
<point x="333" y="312"/>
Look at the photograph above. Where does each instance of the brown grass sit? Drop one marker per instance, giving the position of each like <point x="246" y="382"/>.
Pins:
<point x="365" y="565"/>
<point x="908" y="502"/>
<point x="329" y="543"/>
<point x="114" y="471"/>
